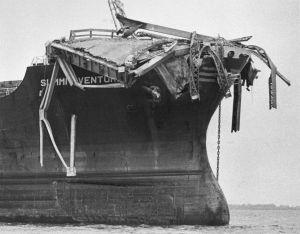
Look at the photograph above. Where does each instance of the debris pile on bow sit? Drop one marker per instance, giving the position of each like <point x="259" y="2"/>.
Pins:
<point x="182" y="59"/>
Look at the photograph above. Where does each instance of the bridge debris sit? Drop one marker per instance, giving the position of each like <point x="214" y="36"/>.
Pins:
<point x="182" y="59"/>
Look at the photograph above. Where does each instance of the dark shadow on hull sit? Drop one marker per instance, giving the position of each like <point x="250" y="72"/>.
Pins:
<point x="137" y="161"/>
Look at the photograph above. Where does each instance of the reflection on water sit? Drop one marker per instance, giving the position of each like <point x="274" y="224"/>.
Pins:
<point x="242" y="221"/>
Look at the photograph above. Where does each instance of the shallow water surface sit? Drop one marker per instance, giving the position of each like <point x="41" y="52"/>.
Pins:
<point x="242" y="221"/>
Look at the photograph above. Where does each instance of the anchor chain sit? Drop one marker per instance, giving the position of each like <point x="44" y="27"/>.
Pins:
<point x="219" y="141"/>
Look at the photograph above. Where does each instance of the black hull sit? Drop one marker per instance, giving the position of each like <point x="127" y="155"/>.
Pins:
<point x="136" y="161"/>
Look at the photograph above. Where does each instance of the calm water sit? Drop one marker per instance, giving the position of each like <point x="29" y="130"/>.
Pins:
<point x="242" y="221"/>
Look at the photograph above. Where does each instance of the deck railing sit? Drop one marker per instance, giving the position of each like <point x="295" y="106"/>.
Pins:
<point x="39" y="60"/>
<point x="91" y="33"/>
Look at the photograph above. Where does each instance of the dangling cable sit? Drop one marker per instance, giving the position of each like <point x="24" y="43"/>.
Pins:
<point x="219" y="141"/>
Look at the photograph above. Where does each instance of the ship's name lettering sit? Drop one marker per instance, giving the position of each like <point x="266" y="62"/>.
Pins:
<point x="86" y="80"/>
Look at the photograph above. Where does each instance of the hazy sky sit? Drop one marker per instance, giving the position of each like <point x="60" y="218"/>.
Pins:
<point x="261" y="163"/>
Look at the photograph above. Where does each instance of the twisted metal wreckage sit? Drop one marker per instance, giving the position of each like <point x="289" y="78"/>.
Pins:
<point x="127" y="143"/>
<point x="126" y="54"/>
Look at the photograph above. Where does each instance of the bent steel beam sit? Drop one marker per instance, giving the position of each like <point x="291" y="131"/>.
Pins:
<point x="44" y="106"/>
<point x="161" y="29"/>
<point x="72" y="169"/>
<point x="69" y="73"/>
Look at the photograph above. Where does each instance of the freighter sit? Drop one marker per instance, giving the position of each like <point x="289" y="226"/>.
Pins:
<point x="112" y="127"/>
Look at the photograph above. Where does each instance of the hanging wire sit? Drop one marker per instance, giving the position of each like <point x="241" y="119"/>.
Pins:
<point x="219" y="141"/>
